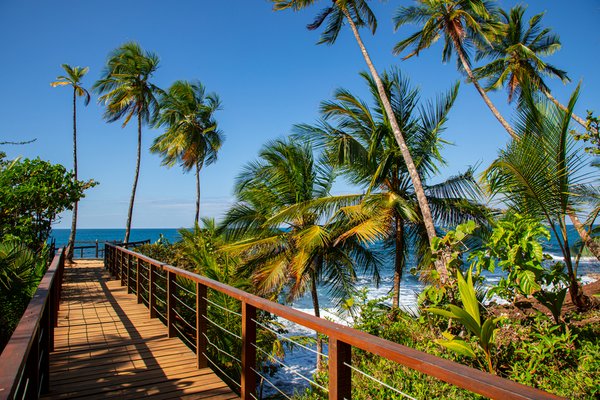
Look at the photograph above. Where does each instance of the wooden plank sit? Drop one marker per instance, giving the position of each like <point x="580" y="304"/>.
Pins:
<point x="107" y="346"/>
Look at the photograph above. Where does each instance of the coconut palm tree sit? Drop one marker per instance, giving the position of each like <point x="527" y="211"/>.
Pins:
<point x="73" y="78"/>
<point x="126" y="91"/>
<point x="539" y="174"/>
<point x="362" y="145"/>
<point x="191" y="136"/>
<point x="516" y="57"/>
<point x="458" y="21"/>
<point x="288" y="246"/>
<point x="357" y="14"/>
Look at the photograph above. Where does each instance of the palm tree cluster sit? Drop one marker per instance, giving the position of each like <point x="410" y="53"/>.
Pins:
<point x="191" y="136"/>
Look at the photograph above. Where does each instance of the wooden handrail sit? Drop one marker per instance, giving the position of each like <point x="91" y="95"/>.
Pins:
<point x="24" y="362"/>
<point x="342" y="339"/>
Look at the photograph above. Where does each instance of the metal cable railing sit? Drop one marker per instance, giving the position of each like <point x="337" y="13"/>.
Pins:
<point x="341" y="339"/>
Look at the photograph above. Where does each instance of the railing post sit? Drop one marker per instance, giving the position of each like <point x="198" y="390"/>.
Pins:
<point x="122" y="268"/>
<point x="171" y="303"/>
<point x="152" y="290"/>
<point x="129" y="279"/>
<point x="96" y="248"/>
<point x="340" y="374"/>
<point x="248" y="384"/>
<point x="138" y="293"/>
<point x="46" y="345"/>
<point x="31" y="368"/>
<point x="201" y="325"/>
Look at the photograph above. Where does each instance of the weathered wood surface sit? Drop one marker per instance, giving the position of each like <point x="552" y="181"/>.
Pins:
<point x="106" y="346"/>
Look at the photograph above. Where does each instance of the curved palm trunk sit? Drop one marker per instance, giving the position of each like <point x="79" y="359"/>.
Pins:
<point x="135" y="179"/>
<point x="398" y="260"/>
<point x="73" y="232"/>
<point x="591" y="244"/>
<point x="575" y="117"/>
<point x="488" y="102"/>
<point x="197" y="218"/>
<point x="315" y="300"/>
<point x="410" y="165"/>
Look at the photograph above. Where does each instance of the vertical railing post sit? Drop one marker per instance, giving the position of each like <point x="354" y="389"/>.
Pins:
<point x="138" y="284"/>
<point x="129" y="278"/>
<point x="31" y="368"/>
<point x="340" y="374"/>
<point x="248" y="384"/>
<point x="122" y="267"/>
<point x="171" y="303"/>
<point x="152" y="290"/>
<point x="45" y="345"/>
<point x="201" y="324"/>
<point x="96" y="248"/>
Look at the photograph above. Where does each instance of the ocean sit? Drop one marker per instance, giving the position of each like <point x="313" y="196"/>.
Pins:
<point x="302" y="361"/>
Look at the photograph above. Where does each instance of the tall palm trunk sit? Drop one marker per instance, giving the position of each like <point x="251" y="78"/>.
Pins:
<point x="398" y="259"/>
<point x="410" y="165"/>
<point x="575" y="117"/>
<point x="315" y="300"/>
<point x="197" y="218"/>
<point x="465" y="64"/>
<point x="135" y="179"/>
<point x="73" y="232"/>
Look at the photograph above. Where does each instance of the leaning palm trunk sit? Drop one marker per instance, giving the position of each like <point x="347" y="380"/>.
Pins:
<point x="410" y="165"/>
<point x="575" y="117"/>
<point x="315" y="300"/>
<point x="589" y="242"/>
<point x="73" y="232"/>
<point x="197" y="218"/>
<point x="486" y="99"/>
<point x="135" y="179"/>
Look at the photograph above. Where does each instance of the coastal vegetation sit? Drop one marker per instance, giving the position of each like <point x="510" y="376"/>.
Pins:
<point x="287" y="235"/>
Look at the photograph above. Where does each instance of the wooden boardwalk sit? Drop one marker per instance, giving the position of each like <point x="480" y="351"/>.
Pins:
<point x="106" y="346"/>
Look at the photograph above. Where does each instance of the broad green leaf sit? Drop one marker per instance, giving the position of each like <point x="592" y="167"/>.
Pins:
<point x="458" y="346"/>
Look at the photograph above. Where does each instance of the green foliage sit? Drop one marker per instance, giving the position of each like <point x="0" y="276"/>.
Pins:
<point x="20" y="271"/>
<point x="469" y="317"/>
<point x="515" y="246"/>
<point x="32" y="194"/>
<point x="591" y="137"/>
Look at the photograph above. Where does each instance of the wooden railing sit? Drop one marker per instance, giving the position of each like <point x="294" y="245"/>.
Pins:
<point x="129" y="267"/>
<point x="24" y="362"/>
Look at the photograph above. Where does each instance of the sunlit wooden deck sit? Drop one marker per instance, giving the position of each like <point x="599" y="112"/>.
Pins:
<point x="106" y="346"/>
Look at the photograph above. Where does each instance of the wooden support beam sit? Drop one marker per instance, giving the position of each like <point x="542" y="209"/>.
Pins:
<point x="340" y="375"/>
<point x="248" y="384"/>
<point x="201" y="324"/>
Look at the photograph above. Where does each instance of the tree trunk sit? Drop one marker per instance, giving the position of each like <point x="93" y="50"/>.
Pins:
<point x="398" y="260"/>
<point x="410" y="165"/>
<point x="135" y="179"/>
<point x="197" y="218"/>
<point x="465" y="64"/>
<point x="577" y="297"/>
<point x="575" y="117"/>
<point x="591" y="244"/>
<point x="315" y="300"/>
<point x="73" y="232"/>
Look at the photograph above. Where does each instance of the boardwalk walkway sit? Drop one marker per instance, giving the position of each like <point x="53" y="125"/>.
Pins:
<point x="106" y="346"/>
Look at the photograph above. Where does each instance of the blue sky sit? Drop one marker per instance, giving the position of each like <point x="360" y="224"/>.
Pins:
<point x="266" y="68"/>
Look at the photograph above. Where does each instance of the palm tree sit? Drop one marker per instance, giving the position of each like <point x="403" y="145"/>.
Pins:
<point x="358" y="14"/>
<point x="73" y="78"/>
<point x="362" y="145"/>
<point x="538" y="175"/>
<point x="126" y="91"/>
<point x="459" y="21"/>
<point x="285" y="244"/>
<point x="516" y="57"/>
<point x="191" y="136"/>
